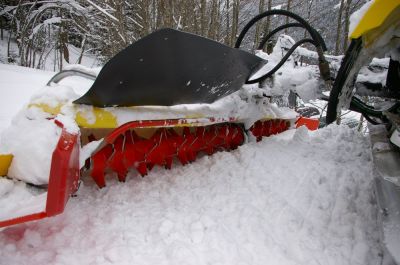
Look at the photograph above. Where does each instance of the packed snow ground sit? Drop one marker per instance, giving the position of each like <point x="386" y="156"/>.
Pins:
<point x="296" y="198"/>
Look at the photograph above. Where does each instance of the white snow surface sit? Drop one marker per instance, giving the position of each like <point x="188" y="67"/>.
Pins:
<point x="295" y="198"/>
<point x="24" y="200"/>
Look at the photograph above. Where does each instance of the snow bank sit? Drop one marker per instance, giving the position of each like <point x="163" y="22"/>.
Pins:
<point x="17" y="199"/>
<point x="297" y="198"/>
<point x="302" y="80"/>
<point x="32" y="143"/>
<point x="246" y="105"/>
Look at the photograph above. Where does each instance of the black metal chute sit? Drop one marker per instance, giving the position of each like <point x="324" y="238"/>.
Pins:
<point x="170" y="67"/>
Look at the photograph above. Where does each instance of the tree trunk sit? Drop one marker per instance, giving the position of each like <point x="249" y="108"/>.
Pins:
<point x="309" y="8"/>
<point x="227" y="36"/>
<point x="1" y="29"/>
<point x="289" y="3"/>
<point x="259" y="24"/>
<point x="267" y="27"/>
<point x="339" y="29"/>
<point x="212" y="29"/>
<point x="8" y="48"/>
<point x="82" y="49"/>
<point x="235" y="21"/>
<point x="203" y="18"/>
<point x="347" y="23"/>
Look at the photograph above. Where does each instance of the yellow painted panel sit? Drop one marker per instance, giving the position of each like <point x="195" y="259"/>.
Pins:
<point x="102" y="119"/>
<point x="5" y="162"/>
<point x="46" y="108"/>
<point x="375" y="16"/>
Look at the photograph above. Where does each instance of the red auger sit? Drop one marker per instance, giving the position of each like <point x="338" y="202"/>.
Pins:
<point x="123" y="148"/>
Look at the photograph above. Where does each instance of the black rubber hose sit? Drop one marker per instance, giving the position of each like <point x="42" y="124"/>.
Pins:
<point x="319" y="42"/>
<point x="359" y="106"/>
<point x="342" y="79"/>
<point x="280" y="28"/>
<point x="394" y="107"/>
<point x="273" y="32"/>
<point x="281" y="62"/>
<point x="370" y="120"/>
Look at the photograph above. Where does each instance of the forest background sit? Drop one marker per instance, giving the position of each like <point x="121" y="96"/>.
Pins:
<point x="44" y="30"/>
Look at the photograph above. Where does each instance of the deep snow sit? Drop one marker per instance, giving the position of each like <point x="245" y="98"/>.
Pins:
<point x="296" y="198"/>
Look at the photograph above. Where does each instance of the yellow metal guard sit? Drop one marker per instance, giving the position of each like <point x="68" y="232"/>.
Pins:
<point x="5" y="162"/>
<point x="375" y="16"/>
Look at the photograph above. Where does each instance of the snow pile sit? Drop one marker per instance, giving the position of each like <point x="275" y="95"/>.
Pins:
<point x="17" y="199"/>
<point x="241" y="105"/>
<point x="375" y="73"/>
<point x="297" y="198"/>
<point x="247" y="105"/>
<point x="54" y="95"/>
<point x="32" y="143"/>
<point x="302" y="80"/>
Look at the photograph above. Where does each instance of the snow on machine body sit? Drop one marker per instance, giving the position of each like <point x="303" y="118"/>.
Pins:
<point x="169" y="96"/>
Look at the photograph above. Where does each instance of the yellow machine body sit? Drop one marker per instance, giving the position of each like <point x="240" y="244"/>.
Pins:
<point x="5" y="162"/>
<point x="381" y="15"/>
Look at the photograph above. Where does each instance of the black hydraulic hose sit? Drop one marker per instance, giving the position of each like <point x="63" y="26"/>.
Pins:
<point x="342" y="79"/>
<point x="280" y="28"/>
<point x="273" y="32"/>
<point x="359" y="106"/>
<point x="370" y="120"/>
<point x="319" y="42"/>
<point x="367" y="110"/>
<point x="394" y="107"/>
<point x="281" y="62"/>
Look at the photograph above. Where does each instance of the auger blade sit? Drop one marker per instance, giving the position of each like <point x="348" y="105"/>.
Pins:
<point x="125" y="147"/>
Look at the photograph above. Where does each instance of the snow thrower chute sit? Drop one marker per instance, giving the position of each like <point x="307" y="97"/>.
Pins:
<point x="170" y="96"/>
<point x="170" y="67"/>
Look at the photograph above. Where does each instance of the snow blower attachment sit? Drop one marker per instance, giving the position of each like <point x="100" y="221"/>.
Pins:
<point x="169" y="96"/>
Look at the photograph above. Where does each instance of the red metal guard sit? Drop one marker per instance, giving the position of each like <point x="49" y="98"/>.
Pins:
<point x="63" y="179"/>
<point x="310" y="123"/>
